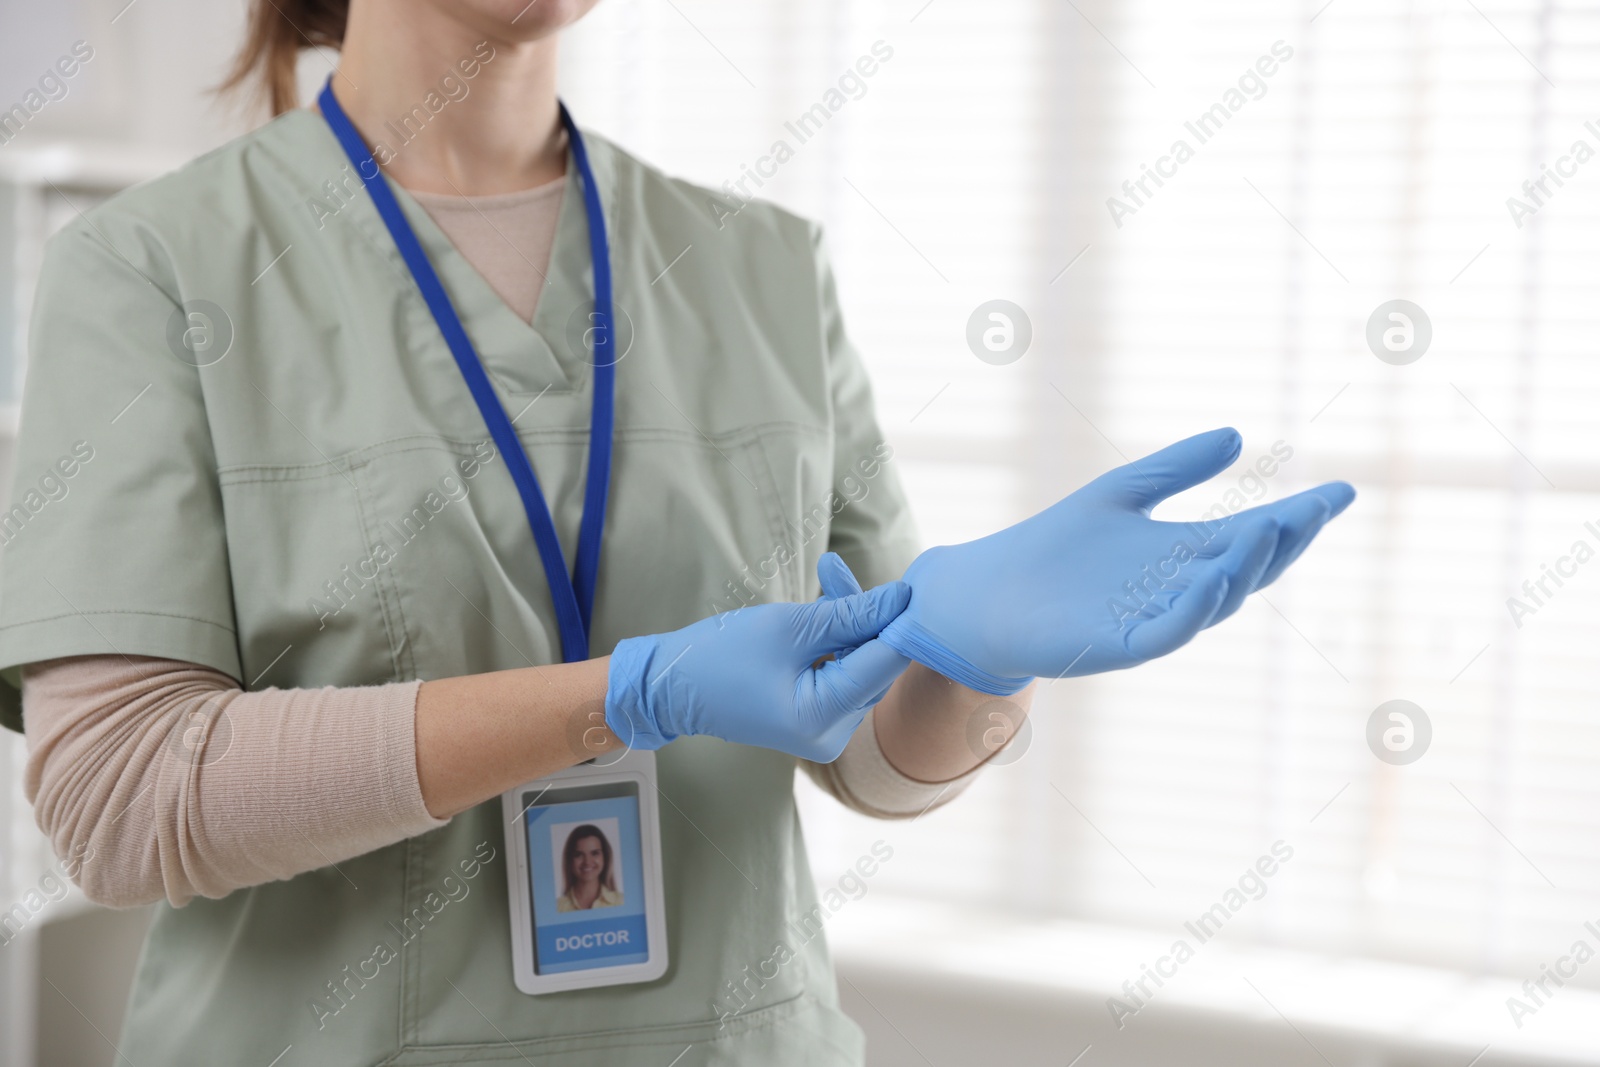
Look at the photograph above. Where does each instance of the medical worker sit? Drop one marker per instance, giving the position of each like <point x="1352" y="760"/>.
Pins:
<point x="419" y="444"/>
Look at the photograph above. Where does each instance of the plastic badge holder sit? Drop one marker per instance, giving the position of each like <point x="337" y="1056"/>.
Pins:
<point x="596" y="822"/>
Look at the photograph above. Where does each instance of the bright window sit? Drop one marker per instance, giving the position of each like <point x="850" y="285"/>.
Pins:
<point x="1372" y="163"/>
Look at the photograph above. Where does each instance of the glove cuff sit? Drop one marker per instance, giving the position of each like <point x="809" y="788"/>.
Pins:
<point x="911" y="641"/>
<point x="628" y="711"/>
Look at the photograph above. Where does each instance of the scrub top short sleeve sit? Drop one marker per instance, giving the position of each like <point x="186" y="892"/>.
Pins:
<point x="114" y="462"/>
<point x="319" y="504"/>
<point x="872" y="527"/>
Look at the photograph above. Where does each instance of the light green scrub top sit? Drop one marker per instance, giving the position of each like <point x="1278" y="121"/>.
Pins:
<point x="321" y="506"/>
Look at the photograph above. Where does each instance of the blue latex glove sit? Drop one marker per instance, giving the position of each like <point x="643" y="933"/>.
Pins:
<point x="1093" y="583"/>
<point x="747" y="676"/>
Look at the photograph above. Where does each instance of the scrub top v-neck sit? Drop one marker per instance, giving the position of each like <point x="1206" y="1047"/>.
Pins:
<point x="571" y="592"/>
<point x="310" y="498"/>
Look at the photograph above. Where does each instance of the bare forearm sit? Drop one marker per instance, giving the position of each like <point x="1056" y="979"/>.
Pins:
<point x="480" y="735"/>
<point x="933" y="729"/>
<point x="234" y="789"/>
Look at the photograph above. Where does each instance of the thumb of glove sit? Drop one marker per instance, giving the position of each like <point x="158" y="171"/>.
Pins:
<point x="836" y="577"/>
<point x="1146" y="482"/>
<point x="837" y="581"/>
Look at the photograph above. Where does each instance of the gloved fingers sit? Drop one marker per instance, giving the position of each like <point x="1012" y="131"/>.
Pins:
<point x="855" y="682"/>
<point x="1247" y="562"/>
<point x="1299" y="523"/>
<point x="836" y="576"/>
<point x="1218" y="534"/>
<point x="829" y="744"/>
<point x="837" y="580"/>
<point x="1336" y="495"/>
<point x="1302" y="517"/>
<point x="1146" y="482"/>
<point x="832" y="625"/>
<point x="1148" y="639"/>
<point x="1339" y="496"/>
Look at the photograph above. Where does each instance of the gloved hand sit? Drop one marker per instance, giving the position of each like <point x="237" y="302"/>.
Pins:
<point x="747" y="675"/>
<point x="1094" y="584"/>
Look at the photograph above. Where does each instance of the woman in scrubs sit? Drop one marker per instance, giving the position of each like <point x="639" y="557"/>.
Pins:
<point x="289" y="634"/>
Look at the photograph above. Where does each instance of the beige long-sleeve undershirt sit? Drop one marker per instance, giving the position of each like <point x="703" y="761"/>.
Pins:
<point x="184" y="785"/>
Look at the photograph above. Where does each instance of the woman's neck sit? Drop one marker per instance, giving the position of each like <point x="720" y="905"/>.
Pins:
<point x="496" y="132"/>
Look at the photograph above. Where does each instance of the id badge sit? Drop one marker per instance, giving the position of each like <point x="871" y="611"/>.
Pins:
<point x="583" y="850"/>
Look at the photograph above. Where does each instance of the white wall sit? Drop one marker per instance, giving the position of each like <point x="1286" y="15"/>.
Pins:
<point x="146" y="85"/>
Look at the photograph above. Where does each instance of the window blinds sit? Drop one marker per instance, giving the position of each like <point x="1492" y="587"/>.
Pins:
<point x="1372" y="163"/>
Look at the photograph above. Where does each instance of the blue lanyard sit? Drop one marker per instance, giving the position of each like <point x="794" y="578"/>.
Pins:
<point x="574" y="596"/>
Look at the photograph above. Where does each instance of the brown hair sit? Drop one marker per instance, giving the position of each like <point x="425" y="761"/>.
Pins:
<point x="279" y="29"/>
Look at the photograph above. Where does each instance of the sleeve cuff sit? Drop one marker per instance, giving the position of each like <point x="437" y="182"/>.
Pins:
<point x="407" y="812"/>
